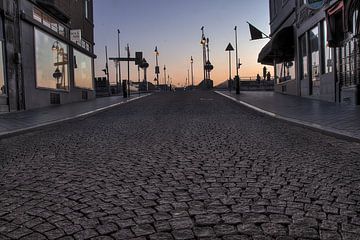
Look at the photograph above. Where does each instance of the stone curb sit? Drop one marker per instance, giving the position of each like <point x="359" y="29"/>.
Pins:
<point x="49" y="123"/>
<point x="314" y="126"/>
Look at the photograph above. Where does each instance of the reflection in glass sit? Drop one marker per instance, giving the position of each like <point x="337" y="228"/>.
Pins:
<point x="328" y="53"/>
<point x="285" y="71"/>
<point x="51" y="62"/>
<point x="303" y="57"/>
<point x="83" y="70"/>
<point x="2" y="73"/>
<point x="315" y="56"/>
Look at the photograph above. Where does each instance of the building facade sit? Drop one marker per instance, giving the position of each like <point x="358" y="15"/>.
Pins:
<point x="315" y="49"/>
<point x="46" y="49"/>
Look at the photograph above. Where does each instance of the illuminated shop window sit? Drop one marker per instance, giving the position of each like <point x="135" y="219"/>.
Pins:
<point x="83" y="73"/>
<point x="51" y="56"/>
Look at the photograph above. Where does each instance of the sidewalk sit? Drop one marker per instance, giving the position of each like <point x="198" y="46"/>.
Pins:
<point x="16" y="122"/>
<point x="335" y="119"/>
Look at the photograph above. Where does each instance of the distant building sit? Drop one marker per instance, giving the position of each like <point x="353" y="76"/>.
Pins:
<point x="315" y="49"/>
<point x="46" y="53"/>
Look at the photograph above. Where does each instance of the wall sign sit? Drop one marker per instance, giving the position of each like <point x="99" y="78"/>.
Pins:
<point x="75" y="35"/>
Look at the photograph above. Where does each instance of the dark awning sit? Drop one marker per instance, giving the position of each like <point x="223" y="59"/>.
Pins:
<point x="280" y="48"/>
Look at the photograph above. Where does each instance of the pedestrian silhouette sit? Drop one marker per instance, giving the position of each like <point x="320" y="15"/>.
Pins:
<point x="258" y="78"/>
<point x="268" y="76"/>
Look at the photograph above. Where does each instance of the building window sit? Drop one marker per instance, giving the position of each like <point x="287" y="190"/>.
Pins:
<point x="328" y="58"/>
<point x="83" y="71"/>
<point x="303" y="57"/>
<point x="315" y="56"/>
<point x="2" y="71"/>
<point x="355" y="22"/>
<point x="51" y="59"/>
<point x="86" y="8"/>
<point x="49" y="22"/>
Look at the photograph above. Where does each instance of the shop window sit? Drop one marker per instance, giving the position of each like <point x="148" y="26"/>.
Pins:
<point x="51" y="56"/>
<point x="303" y="57"/>
<point x="2" y="71"/>
<point x="285" y="71"/>
<point x="315" y="56"/>
<point x="83" y="71"/>
<point x="328" y="58"/>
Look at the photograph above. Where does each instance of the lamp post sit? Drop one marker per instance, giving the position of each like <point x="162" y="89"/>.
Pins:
<point x="229" y="49"/>
<point x="107" y="70"/>
<point x="119" y="82"/>
<point x="165" y="77"/>
<point x="128" y="68"/>
<point x="203" y="43"/>
<point x="192" y="72"/>
<point x="237" y="78"/>
<point x="157" y="69"/>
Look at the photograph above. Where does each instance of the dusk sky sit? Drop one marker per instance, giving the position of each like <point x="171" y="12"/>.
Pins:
<point x="174" y="27"/>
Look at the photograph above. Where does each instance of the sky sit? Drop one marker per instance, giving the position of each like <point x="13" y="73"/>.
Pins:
<point x="174" y="26"/>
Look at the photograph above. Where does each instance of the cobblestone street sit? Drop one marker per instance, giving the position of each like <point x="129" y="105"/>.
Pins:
<point x="179" y="166"/>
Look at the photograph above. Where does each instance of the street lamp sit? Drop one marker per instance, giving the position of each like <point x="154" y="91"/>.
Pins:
<point x="157" y="69"/>
<point x="237" y="78"/>
<point x="165" y="77"/>
<point x="203" y="43"/>
<point x="192" y="72"/>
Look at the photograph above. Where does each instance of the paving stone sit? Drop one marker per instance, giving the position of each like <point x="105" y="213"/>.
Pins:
<point x="142" y="230"/>
<point x="183" y="234"/>
<point x="203" y="232"/>
<point x="180" y="165"/>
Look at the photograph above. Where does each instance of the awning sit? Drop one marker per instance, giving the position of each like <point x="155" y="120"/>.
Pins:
<point x="336" y="26"/>
<point x="280" y="48"/>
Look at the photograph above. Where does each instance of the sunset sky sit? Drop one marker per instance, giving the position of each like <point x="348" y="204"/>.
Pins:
<point x="174" y="27"/>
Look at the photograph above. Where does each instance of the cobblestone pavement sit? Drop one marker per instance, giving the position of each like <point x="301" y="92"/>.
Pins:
<point x="179" y="166"/>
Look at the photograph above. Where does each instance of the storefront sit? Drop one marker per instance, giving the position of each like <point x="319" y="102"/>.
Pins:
<point x="40" y="63"/>
<point x="348" y="53"/>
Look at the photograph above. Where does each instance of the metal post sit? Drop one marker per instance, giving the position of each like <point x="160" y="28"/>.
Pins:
<point x="128" y="68"/>
<point x="188" y="78"/>
<point x="157" y="66"/>
<point x="119" y="61"/>
<point x="107" y="70"/>
<point x="230" y="70"/>
<point x="165" y="77"/>
<point x="139" y="79"/>
<point x="208" y="58"/>
<point x="192" y="72"/>
<point x="236" y="47"/>
<point x="204" y="52"/>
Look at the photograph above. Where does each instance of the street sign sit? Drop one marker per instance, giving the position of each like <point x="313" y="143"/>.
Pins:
<point x="75" y="35"/>
<point x="229" y="48"/>
<point x="315" y="4"/>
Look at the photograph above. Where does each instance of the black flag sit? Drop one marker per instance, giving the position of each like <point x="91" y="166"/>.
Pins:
<point x="255" y="33"/>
